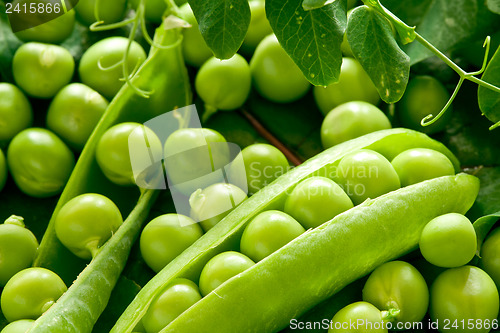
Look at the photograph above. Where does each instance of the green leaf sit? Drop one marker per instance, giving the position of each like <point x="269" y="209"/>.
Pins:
<point x="311" y="38"/>
<point x="483" y="226"/>
<point x="372" y="42"/>
<point x="493" y="5"/>
<point x="409" y="11"/>
<point x="489" y="100"/>
<point x="488" y="199"/>
<point x="9" y="43"/>
<point x="223" y="24"/>
<point x="315" y="4"/>
<point x="446" y="24"/>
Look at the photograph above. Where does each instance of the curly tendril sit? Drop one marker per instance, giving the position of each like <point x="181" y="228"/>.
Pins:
<point x="138" y="20"/>
<point x="406" y="31"/>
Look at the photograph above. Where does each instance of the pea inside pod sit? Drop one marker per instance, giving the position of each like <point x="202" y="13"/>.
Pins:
<point x="226" y="234"/>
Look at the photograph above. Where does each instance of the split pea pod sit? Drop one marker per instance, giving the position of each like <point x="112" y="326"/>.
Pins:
<point x="322" y="261"/>
<point x="165" y="76"/>
<point x="226" y="234"/>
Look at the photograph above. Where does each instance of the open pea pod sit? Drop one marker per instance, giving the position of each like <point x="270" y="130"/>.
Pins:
<point x="226" y="234"/>
<point x="322" y="261"/>
<point x="164" y="74"/>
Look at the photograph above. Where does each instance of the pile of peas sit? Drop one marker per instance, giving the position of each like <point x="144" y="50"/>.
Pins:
<point x="40" y="161"/>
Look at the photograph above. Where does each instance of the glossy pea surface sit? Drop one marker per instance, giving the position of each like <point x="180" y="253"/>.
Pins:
<point x="101" y="66"/>
<point x="398" y="287"/>
<point x="259" y="26"/>
<point x="18" y="247"/>
<point x="39" y="162"/>
<point x="165" y="237"/>
<point x="41" y="70"/>
<point x="360" y="312"/>
<point x="354" y="84"/>
<point x="109" y="11"/>
<point x="263" y="163"/>
<point x="448" y="240"/>
<point x="212" y="204"/>
<point x="268" y="232"/>
<point x="490" y="258"/>
<point x="16" y="113"/>
<point x="351" y="120"/>
<point x="86" y="222"/>
<point x="222" y="267"/>
<point x="177" y="297"/>
<point x="275" y="75"/>
<point x="30" y="293"/>
<point x="18" y="326"/>
<point x="315" y="201"/>
<point x="192" y="155"/>
<point x="419" y="164"/>
<point x="366" y="174"/>
<point x="194" y="47"/>
<point x="465" y="293"/>
<point x="224" y="84"/>
<point x="74" y="113"/>
<point x="123" y="144"/>
<point x="54" y="31"/>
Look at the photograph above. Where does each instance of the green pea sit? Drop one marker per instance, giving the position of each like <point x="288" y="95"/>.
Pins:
<point x="212" y="204"/>
<point x="39" y="162"/>
<point x="109" y="11"/>
<point x="419" y="164"/>
<point x="354" y="84"/>
<point x="263" y="164"/>
<point x="178" y="296"/>
<point x="351" y="120"/>
<point x="165" y="237"/>
<point x="115" y="148"/>
<point x="194" y="47"/>
<point x="221" y="268"/>
<point x="101" y="66"/>
<point x="448" y="241"/>
<point x="366" y="174"/>
<point x="154" y="9"/>
<point x="223" y="84"/>
<point x="424" y="95"/>
<point x="86" y="222"/>
<point x="41" y="70"/>
<point x="490" y="260"/>
<point x="15" y="111"/>
<point x="18" y="326"/>
<point x="74" y="113"/>
<point x="3" y="170"/>
<point x="18" y="247"/>
<point x="315" y="201"/>
<point x="397" y="287"/>
<point x="259" y="27"/>
<point x="192" y="157"/>
<point x="54" y="31"/>
<point x="464" y="294"/>
<point x="275" y="76"/>
<point x="268" y="232"/>
<point x="30" y="293"/>
<point x="367" y="317"/>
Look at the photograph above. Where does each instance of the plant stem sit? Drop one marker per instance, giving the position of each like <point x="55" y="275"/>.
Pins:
<point x="271" y="138"/>
<point x="463" y="74"/>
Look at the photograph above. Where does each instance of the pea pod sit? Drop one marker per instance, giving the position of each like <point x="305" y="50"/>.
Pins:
<point x="226" y="234"/>
<point x="170" y="90"/>
<point x="82" y="304"/>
